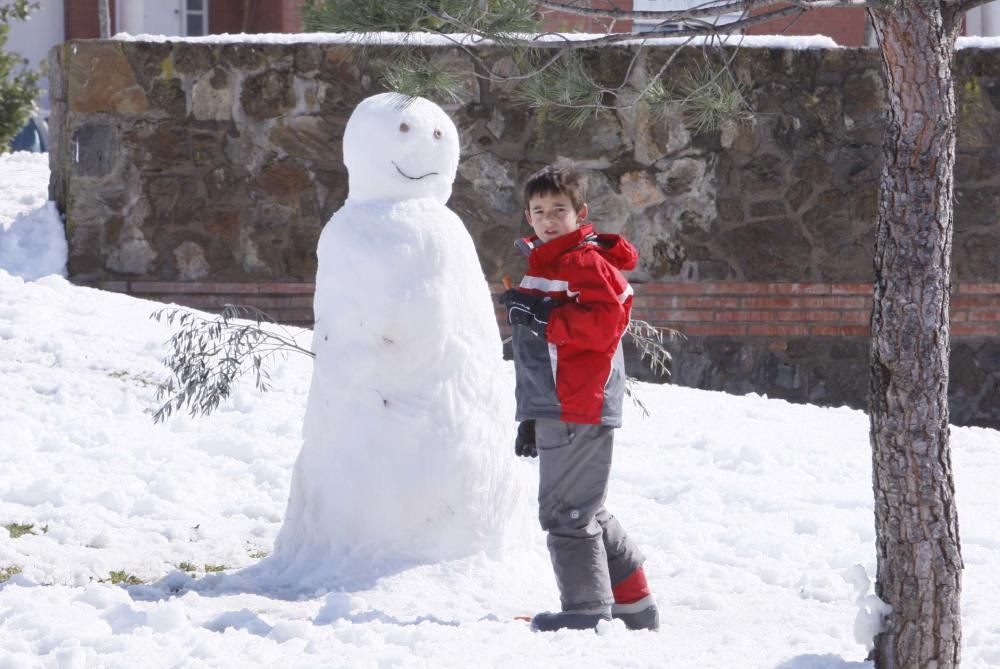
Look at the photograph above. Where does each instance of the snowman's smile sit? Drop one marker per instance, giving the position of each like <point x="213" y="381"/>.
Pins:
<point x="408" y="176"/>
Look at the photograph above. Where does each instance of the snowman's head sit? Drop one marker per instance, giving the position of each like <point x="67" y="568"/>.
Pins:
<point x="400" y="148"/>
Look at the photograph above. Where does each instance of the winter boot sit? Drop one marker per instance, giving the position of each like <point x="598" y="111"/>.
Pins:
<point x="634" y="604"/>
<point x="569" y="620"/>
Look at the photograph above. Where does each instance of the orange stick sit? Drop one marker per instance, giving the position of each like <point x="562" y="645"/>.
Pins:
<point x="506" y="282"/>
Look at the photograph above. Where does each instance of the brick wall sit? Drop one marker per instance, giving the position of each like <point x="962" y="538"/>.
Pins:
<point x="256" y="16"/>
<point x="845" y="25"/>
<point x="557" y="21"/>
<point x="81" y="19"/>
<point x="287" y="302"/>
<point x="224" y="16"/>
<point x="706" y="309"/>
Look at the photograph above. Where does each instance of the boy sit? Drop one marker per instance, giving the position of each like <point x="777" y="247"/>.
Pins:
<point x="568" y="318"/>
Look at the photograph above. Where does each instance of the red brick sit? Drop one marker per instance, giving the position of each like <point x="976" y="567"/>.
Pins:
<point x="978" y="289"/>
<point x="797" y="288"/>
<point x="846" y="25"/>
<point x="852" y="289"/>
<point x="838" y="302"/>
<point x="287" y="287"/>
<point x="772" y="330"/>
<point x="771" y="302"/>
<point x="207" y="302"/>
<point x="687" y="302"/>
<point x="661" y="288"/>
<point x="839" y="330"/>
<point x="302" y="301"/>
<point x="982" y="315"/>
<point x="975" y="301"/>
<point x="856" y="316"/>
<point x="113" y="286"/>
<point x="809" y="316"/>
<point x="969" y="330"/>
<point x="745" y="316"/>
<point x="206" y="287"/>
<point x="293" y="315"/>
<point x="708" y="330"/>
<point x="959" y="316"/>
<point x="736" y="288"/>
<point x="673" y="315"/>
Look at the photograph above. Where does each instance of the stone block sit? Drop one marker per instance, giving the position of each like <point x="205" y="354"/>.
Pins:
<point x="269" y="94"/>
<point x="769" y="250"/>
<point x="100" y="79"/>
<point x="96" y="149"/>
<point x="212" y="96"/>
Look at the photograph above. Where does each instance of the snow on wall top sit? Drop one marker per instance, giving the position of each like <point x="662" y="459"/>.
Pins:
<point x="435" y="39"/>
<point x="974" y="42"/>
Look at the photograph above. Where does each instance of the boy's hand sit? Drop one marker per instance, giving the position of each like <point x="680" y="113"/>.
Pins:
<point x="528" y="310"/>
<point x="524" y="442"/>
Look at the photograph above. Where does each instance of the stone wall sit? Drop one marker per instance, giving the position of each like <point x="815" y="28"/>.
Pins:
<point x="188" y="165"/>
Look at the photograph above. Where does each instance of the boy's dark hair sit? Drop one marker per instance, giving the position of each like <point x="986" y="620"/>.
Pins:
<point x="559" y="179"/>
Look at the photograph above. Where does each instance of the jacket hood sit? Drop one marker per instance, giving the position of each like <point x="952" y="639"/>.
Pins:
<point x="613" y="248"/>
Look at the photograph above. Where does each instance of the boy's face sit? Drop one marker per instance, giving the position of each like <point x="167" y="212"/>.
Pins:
<point x="552" y="215"/>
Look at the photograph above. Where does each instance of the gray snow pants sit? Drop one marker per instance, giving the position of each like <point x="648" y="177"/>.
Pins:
<point x="589" y="548"/>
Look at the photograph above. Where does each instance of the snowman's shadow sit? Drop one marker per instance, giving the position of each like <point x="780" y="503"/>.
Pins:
<point x="274" y="579"/>
<point x="339" y="589"/>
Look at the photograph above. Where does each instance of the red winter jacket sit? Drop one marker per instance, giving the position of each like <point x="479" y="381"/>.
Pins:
<point x="577" y="373"/>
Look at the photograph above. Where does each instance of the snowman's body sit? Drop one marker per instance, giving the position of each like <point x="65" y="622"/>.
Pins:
<point x="406" y="452"/>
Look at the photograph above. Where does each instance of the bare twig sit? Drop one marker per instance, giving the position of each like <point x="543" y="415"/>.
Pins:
<point x="208" y="356"/>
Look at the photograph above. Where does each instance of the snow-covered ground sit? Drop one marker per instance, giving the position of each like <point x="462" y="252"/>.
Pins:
<point x="32" y="240"/>
<point x="755" y="514"/>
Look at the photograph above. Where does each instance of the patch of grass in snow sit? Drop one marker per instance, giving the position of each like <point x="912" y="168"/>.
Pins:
<point x="20" y="529"/>
<point x="187" y="566"/>
<point x="7" y="572"/>
<point x="124" y="375"/>
<point x="257" y="554"/>
<point x="212" y="568"/>
<point x="122" y="577"/>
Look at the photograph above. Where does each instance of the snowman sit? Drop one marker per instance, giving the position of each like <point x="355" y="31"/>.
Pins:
<point x="407" y="437"/>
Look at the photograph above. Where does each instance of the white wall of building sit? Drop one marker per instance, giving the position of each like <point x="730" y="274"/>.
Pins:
<point x="33" y="38"/>
<point x="44" y="29"/>
<point x="673" y="5"/>
<point x="983" y="21"/>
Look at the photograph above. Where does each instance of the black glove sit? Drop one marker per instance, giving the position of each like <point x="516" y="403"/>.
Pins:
<point x="528" y="310"/>
<point x="524" y="442"/>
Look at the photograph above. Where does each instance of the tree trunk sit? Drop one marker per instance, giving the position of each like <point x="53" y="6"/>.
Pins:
<point x="919" y="556"/>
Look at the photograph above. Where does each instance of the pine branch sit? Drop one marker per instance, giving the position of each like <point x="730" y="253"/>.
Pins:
<point x="707" y="97"/>
<point x="416" y="76"/>
<point x="208" y="356"/>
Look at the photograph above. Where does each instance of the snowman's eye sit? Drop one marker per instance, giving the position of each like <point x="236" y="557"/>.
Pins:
<point x="437" y="134"/>
<point x="404" y="127"/>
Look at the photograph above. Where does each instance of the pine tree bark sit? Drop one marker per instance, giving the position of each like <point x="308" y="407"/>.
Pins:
<point x="917" y="545"/>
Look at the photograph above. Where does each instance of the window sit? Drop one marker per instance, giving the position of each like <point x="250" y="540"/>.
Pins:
<point x="195" y="17"/>
<point x="645" y="25"/>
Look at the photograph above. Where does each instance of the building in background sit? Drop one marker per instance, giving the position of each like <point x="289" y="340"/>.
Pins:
<point x="845" y="25"/>
<point x="55" y="21"/>
<point x="58" y="20"/>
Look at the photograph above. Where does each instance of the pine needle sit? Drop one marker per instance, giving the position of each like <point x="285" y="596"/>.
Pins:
<point x="706" y="96"/>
